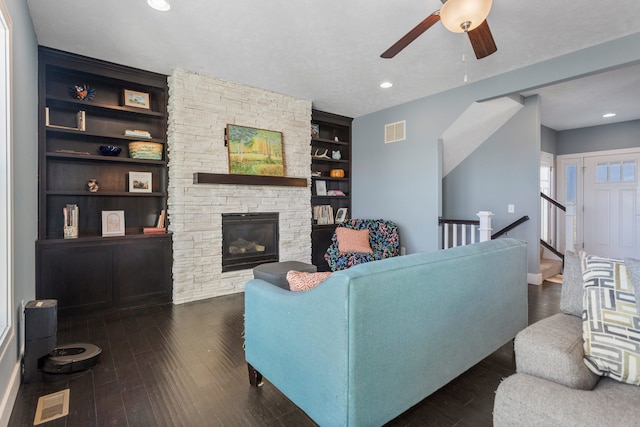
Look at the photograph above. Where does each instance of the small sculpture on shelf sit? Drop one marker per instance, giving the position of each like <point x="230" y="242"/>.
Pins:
<point x="335" y="155"/>
<point x="82" y="92"/>
<point x="92" y="185"/>
<point x="317" y="155"/>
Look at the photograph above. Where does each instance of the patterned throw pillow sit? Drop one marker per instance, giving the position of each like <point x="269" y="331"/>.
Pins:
<point x="633" y="265"/>
<point x="301" y="281"/>
<point x="353" y="241"/>
<point x="610" y="321"/>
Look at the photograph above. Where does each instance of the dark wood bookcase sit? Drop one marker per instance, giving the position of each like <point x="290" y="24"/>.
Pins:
<point x="92" y="271"/>
<point x="334" y="134"/>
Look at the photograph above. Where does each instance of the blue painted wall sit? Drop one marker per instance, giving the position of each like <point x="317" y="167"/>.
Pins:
<point x="549" y="142"/>
<point x="25" y="184"/>
<point x="401" y="181"/>
<point x="598" y="138"/>
<point x="503" y="170"/>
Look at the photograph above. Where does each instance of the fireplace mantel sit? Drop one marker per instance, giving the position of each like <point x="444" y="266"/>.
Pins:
<point x="225" y="178"/>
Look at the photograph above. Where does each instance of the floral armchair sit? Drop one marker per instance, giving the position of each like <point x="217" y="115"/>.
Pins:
<point x="383" y="238"/>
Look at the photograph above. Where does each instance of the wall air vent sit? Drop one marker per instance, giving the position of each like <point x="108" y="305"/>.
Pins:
<point x="394" y="132"/>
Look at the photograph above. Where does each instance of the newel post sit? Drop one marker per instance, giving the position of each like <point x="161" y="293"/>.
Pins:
<point x="485" y="225"/>
<point x="569" y="226"/>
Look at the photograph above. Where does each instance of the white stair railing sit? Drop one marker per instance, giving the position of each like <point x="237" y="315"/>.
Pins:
<point x="464" y="232"/>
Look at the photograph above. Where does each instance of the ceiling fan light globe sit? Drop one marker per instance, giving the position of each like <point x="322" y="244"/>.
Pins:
<point x="454" y="14"/>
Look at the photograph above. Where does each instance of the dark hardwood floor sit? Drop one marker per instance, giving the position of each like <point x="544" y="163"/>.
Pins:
<point x="184" y="366"/>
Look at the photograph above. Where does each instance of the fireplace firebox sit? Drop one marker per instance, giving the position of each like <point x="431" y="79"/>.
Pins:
<point x="248" y="240"/>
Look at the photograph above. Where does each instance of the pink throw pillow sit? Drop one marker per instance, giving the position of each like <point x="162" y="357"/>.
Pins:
<point x="350" y="240"/>
<point x="301" y="281"/>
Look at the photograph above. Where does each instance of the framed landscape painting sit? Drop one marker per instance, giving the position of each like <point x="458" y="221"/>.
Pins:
<point x="254" y="151"/>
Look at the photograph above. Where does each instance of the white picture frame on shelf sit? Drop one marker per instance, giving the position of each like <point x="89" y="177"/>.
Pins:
<point x="140" y="182"/>
<point x="341" y="215"/>
<point x="112" y="223"/>
<point x="321" y="188"/>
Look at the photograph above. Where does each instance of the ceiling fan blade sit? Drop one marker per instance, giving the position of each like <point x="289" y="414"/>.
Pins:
<point x="482" y="40"/>
<point x="412" y="35"/>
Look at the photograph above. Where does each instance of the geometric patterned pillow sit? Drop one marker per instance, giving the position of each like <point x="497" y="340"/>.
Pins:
<point x="302" y="281"/>
<point x="633" y="265"/>
<point x="610" y="321"/>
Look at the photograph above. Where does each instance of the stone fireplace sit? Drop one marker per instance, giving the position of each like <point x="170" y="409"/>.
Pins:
<point x="248" y="240"/>
<point x="200" y="107"/>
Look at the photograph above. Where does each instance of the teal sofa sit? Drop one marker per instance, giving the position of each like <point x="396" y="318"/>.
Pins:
<point x="371" y="341"/>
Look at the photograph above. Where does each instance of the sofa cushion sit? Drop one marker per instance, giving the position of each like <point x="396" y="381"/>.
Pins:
<point x="552" y="349"/>
<point x="353" y="241"/>
<point x="633" y="265"/>
<point x="303" y="281"/>
<point x="572" y="288"/>
<point x="524" y="400"/>
<point x="611" y="324"/>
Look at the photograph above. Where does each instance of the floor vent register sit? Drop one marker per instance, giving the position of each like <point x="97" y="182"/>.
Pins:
<point x="51" y="407"/>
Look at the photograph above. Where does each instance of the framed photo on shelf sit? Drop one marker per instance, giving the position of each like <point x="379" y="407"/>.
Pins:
<point x="112" y="223"/>
<point x="341" y="215"/>
<point x="140" y="182"/>
<point x="136" y="99"/>
<point x="321" y="188"/>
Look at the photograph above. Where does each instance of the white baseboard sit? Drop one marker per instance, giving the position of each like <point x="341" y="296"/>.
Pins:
<point x="9" y="397"/>
<point x="534" y="279"/>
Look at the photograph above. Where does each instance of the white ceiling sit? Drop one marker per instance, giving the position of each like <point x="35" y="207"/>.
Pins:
<point x="329" y="51"/>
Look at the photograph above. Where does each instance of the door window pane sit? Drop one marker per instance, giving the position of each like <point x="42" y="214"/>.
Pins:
<point x="571" y="172"/>
<point x="614" y="171"/>
<point x="628" y="171"/>
<point x="602" y="172"/>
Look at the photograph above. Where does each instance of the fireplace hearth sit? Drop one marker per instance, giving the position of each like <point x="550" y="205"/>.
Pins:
<point x="248" y="240"/>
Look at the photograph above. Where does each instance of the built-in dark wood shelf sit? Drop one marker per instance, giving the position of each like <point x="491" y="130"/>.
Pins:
<point x="94" y="272"/>
<point x="224" y="178"/>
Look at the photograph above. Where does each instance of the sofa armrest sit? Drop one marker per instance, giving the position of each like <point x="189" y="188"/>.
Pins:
<point x="524" y="400"/>
<point x="552" y="349"/>
<point x="298" y="341"/>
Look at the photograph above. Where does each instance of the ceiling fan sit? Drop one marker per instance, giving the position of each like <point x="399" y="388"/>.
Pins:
<point x="458" y="16"/>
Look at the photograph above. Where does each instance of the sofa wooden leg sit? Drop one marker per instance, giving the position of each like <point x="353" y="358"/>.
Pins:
<point x="255" y="377"/>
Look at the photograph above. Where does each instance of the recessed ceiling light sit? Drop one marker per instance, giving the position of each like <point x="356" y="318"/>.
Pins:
<point x="386" y="85"/>
<point x="607" y="115"/>
<point x="160" y="5"/>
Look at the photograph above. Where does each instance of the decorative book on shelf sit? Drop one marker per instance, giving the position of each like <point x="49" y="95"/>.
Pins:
<point x="161" y="219"/>
<point x="323" y="214"/>
<point x="137" y="133"/>
<point x="154" y="230"/>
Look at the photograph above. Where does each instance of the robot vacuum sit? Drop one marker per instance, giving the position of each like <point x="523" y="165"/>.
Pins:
<point x="41" y="354"/>
<point x="71" y="358"/>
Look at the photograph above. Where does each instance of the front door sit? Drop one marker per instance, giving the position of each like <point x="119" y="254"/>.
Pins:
<point x="611" y="216"/>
